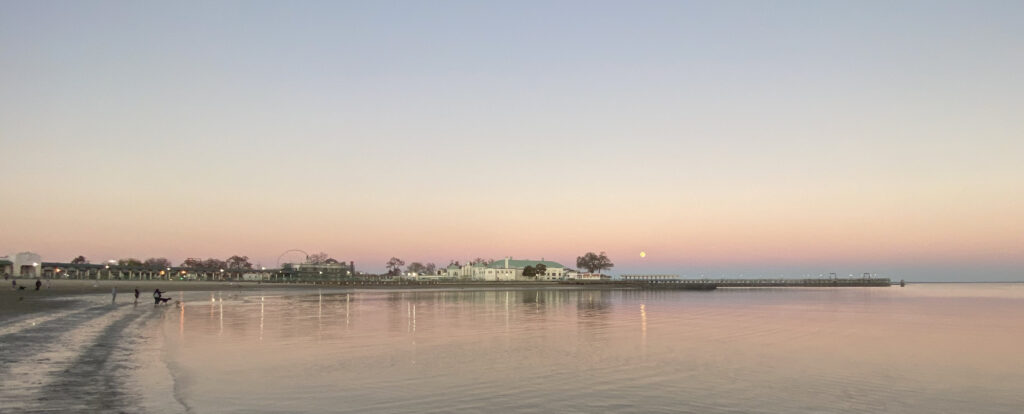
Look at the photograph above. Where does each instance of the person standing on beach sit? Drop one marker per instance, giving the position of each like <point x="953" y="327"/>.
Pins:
<point x="136" y="295"/>
<point x="156" y="296"/>
<point x="113" y="295"/>
<point x="39" y="284"/>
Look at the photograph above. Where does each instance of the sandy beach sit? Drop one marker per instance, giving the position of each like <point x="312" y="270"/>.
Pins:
<point x="68" y="347"/>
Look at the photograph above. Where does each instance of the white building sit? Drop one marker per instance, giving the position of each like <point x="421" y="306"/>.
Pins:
<point x="506" y="269"/>
<point x="24" y="264"/>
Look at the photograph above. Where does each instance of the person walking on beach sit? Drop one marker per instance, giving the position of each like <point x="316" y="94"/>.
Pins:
<point x="113" y="295"/>
<point x="136" y="295"/>
<point x="39" y="284"/>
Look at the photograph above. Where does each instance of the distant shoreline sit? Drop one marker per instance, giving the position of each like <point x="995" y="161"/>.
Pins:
<point x="58" y="293"/>
<point x="61" y="293"/>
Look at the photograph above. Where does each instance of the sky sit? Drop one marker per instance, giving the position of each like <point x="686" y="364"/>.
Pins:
<point x="721" y="138"/>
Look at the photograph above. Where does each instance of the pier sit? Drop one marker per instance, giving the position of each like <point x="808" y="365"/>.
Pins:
<point x="667" y="281"/>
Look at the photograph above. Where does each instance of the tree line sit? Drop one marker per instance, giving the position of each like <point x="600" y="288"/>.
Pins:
<point x="235" y="262"/>
<point x="593" y="262"/>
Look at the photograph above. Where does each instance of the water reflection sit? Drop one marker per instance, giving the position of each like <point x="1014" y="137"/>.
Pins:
<point x="578" y="351"/>
<point x="643" y="324"/>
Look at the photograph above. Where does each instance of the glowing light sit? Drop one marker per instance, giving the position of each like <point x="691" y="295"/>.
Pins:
<point x="643" y="254"/>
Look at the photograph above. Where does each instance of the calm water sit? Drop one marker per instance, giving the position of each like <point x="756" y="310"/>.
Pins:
<point x="925" y="348"/>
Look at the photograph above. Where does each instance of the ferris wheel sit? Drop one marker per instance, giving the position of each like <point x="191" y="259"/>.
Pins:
<point x="292" y="253"/>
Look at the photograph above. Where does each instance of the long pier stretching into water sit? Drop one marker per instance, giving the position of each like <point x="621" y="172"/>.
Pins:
<point x="669" y="281"/>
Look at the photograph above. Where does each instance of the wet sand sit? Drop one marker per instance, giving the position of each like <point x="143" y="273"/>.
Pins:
<point x="69" y="348"/>
<point x="16" y="304"/>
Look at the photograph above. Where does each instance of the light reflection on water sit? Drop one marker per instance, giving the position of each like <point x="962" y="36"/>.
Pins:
<point x="949" y="348"/>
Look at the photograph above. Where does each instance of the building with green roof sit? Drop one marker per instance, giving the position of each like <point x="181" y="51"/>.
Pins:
<point x="506" y="269"/>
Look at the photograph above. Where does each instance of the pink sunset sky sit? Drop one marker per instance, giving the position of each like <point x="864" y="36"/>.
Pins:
<point x="748" y="138"/>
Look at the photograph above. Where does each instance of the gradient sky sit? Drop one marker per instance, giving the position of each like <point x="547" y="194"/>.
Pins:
<point x="754" y="138"/>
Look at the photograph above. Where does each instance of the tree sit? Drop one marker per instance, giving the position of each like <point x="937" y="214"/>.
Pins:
<point x="157" y="262"/>
<point x="454" y="263"/>
<point x="430" y="268"/>
<point x="212" y="263"/>
<point x="594" y="262"/>
<point x="541" y="269"/>
<point x="317" y="258"/>
<point x="80" y="260"/>
<point x="129" y="262"/>
<point x="416" y="267"/>
<point x="239" y="262"/>
<point x="529" y="271"/>
<point x="394" y="266"/>
<point x="192" y="262"/>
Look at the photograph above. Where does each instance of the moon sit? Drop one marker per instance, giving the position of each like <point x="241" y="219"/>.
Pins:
<point x="643" y="254"/>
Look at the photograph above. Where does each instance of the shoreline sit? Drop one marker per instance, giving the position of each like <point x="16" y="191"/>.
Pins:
<point x="18" y="304"/>
<point x="59" y="293"/>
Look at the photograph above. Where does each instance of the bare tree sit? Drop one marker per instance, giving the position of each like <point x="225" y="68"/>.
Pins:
<point x="416" y="267"/>
<point x="129" y="262"/>
<point x="212" y="263"/>
<point x="157" y="262"/>
<point x="394" y="266"/>
<point x="594" y="262"/>
<point x="318" y="258"/>
<point x="239" y="262"/>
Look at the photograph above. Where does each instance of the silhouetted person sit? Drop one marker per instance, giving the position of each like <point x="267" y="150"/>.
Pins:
<point x="136" y="295"/>
<point x="113" y="294"/>
<point x="39" y="284"/>
<point x="158" y="297"/>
